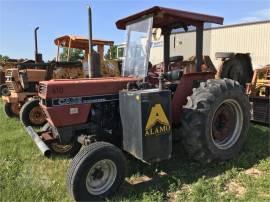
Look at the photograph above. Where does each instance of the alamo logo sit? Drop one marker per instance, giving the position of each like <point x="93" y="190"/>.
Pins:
<point x="157" y="123"/>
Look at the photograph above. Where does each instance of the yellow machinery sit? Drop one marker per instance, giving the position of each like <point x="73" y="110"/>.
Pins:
<point x="259" y="94"/>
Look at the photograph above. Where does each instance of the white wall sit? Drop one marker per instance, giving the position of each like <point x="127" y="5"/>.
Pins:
<point x="253" y="39"/>
<point x="245" y="38"/>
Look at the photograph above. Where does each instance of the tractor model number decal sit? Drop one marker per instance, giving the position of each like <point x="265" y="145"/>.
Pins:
<point x="81" y="100"/>
<point x="69" y="101"/>
<point x="58" y="90"/>
<point x="157" y="123"/>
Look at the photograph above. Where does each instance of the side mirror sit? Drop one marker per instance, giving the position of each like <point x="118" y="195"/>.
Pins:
<point x="156" y="33"/>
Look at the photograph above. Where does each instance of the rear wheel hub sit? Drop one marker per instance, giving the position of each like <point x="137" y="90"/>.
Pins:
<point x="227" y="124"/>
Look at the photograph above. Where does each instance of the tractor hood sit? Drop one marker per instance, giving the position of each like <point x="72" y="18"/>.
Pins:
<point x="83" y="87"/>
<point x="68" y="102"/>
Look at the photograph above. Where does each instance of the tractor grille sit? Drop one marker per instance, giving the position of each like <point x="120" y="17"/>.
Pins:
<point x="42" y="89"/>
<point x="9" y="73"/>
<point x="261" y="111"/>
<point x="10" y="86"/>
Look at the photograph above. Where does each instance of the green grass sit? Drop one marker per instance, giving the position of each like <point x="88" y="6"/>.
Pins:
<point x="25" y="175"/>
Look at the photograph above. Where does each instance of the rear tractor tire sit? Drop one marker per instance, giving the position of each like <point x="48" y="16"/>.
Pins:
<point x="31" y="114"/>
<point x="96" y="172"/>
<point x="215" y="121"/>
<point x="238" y="68"/>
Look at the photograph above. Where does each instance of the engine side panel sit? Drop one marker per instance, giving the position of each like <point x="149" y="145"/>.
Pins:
<point x="66" y="115"/>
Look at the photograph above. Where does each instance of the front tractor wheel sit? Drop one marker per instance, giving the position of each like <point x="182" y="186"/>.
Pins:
<point x="11" y="109"/>
<point x="31" y="114"/>
<point x="96" y="172"/>
<point x="215" y="120"/>
<point x="4" y="90"/>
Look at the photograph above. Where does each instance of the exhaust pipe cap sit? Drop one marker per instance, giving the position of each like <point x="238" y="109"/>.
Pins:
<point x="48" y="153"/>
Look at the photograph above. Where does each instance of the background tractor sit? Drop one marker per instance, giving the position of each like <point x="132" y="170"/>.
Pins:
<point x="8" y="64"/>
<point x="259" y="95"/>
<point x="104" y="67"/>
<point x="132" y="113"/>
<point x="22" y="81"/>
<point x="235" y="66"/>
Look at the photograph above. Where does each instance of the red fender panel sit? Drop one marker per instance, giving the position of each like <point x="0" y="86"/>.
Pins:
<point x="184" y="89"/>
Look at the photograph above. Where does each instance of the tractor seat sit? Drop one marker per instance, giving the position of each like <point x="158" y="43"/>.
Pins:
<point x="224" y="55"/>
<point x="178" y="58"/>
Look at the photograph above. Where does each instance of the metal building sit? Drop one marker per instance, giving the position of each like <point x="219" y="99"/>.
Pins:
<point x="253" y="38"/>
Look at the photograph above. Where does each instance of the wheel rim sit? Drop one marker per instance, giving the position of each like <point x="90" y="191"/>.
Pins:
<point x="101" y="177"/>
<point x="227" y="124"/>
<point x="59" y="148"/>
<point x="36" y="116"/>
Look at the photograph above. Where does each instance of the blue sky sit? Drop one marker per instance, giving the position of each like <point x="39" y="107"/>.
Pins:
<point x="18" y="18"/>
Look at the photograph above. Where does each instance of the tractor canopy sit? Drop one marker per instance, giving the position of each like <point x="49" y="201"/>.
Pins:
<point x="79" y="42"/>
<point x="170" y="18"/>
<point x="82" y="43"/>
<point x="139" y="26"/>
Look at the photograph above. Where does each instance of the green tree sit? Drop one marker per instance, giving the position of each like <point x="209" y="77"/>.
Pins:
<point x="75" y="54"/>
<point x="3" y="58"/>
<point x="114" y="53"/>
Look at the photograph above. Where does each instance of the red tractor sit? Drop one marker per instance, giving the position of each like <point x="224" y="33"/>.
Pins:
<point x="132" y="114"/>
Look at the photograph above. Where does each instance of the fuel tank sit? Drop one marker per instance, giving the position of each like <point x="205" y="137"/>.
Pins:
<point x="146" y="121"/>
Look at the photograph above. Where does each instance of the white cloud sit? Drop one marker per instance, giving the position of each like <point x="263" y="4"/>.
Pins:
<point x="264" y="13"/>
<point x="259" y="15"/>
<point x="249" y="19"/>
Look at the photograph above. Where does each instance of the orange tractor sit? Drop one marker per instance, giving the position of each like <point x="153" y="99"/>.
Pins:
<point x="8" y="64"/>
<point x="22" y="81"/>
<point x="107" y="67"/>
<point x="140" y="112"/>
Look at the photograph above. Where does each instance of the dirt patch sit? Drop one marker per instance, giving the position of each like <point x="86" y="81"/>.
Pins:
<point x="253" y="172"/>
<point x="138" y="180"/>
<point x="172" y="196"/>
<point x="236" y="188"/>
<point x="161" y="173"/>
<point x="265" y="195"/>
<point x="141" y="179"/>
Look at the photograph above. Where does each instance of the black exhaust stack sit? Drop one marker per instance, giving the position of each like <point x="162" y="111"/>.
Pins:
<point x="90" y="62"/>
<point x="93" y="57"/>
<point x="38" y="56"/>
